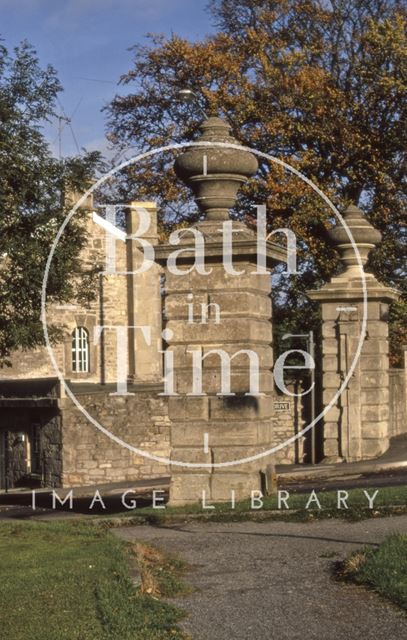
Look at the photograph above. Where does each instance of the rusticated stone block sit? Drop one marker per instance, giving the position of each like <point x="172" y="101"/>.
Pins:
<point x="332" y="416"/>
<point x="241" y="330"/>
<point x="331" y="430"/>
<point x="331" y="447"/>
<point x="375" y="429"/>
<point x="211" y="359"/>
<point x="221" y="433"/>
<point x="330" y="363"/>
<point x="188" y="488"/>
<point x="242" y="484"/>
<point x="378" y="329"/>
<point x="329" y="312"/>
<point x="373" y="448"/>
<point x="240" y="407"/>
<point x="374" y="362"/>
<point x="231" y="454"/>
<point x="330" y="346"/>
<point x="332" y="380"/>
<point x="377" y="346"/>
<point x="219" y="279"/>
<point x="191" y="455"/>
<point x="212" y="382"/>
<point x="376" y="379"/>
<point x="183" y="409"/>
<point x="377" y="412"/>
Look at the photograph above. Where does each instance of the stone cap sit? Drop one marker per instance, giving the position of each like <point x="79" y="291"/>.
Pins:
<point x="338" y="290"/>
<point x="362" y="231"/>
<point x="215" y="173"/>
<point x="242" y="250"/>
<point x="348" y="285"/>
<point x="364" y="235"/>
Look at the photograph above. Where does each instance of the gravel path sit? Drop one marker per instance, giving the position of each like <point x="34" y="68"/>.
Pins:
<point x="272" y="580"/>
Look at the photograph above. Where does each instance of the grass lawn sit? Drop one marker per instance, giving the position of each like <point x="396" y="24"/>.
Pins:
<point x="389" y="500"/>
<point x="71" y="581"/>
<point x="384" y="569"/>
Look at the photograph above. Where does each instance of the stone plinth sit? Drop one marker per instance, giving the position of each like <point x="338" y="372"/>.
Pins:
<point x="357" y="427"/>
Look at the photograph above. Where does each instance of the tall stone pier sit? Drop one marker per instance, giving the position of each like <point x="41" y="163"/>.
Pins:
<point x="357" y="426"/>
<point x="214" y="313"/>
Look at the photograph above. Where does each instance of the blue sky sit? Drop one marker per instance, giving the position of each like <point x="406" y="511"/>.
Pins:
<point x="87" y="42"/>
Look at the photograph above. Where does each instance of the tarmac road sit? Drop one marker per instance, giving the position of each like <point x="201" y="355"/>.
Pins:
<point x="273" y="580"/>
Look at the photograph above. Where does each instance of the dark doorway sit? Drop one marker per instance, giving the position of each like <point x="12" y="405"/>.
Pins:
<point x="3" y="461"/>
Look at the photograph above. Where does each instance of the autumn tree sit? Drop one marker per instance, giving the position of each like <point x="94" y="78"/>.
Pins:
<point x="319" y="84"/>
<point x="33" y="185"/>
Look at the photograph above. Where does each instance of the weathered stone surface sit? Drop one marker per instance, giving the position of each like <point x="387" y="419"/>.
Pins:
<point x="373" y="448"/>
<point x="192" y="455"/>
<point x="228" y="330"/>
<point x="374" y="362"/>
<point x="189" y="488"/>
<point x="240" y="408"/>
<point x="221" y="432"/>
<point x="243" y="323"/>
<point x="375" y="428"/>
<point x="398" y="399"/>
<point x="376" y="379"/>
<point x="221" y="280"/>
<point x="90" y="456"/>
<point x="222" y="485"/>
<point x="183" y="409"/>
<point x="361" y="419"/>
<point x="378" y="412"/>
<point x="221" y="455"/>
<point x="212" y="381"/>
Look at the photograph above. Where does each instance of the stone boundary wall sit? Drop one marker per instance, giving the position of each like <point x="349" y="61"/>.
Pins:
<point x="398" y="401"/>
<point x="91" y="457"/>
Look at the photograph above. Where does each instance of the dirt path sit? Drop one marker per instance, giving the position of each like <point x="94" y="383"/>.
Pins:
<point x="272" y="581"/>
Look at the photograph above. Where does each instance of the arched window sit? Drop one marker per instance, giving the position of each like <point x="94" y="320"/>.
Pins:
<point x="80" y="350"/>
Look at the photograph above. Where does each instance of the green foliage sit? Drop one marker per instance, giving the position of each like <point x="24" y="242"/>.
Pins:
<point x="33" y="185"/>
<point x="321" y="85"/>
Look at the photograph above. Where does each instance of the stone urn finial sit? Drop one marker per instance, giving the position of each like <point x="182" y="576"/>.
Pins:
<point x="216" y="173"/>
<point x="366" y="237"/>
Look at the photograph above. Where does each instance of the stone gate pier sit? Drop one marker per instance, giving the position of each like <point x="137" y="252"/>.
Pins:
<point x="358" y="426"/>
<point x="215" y="309"/>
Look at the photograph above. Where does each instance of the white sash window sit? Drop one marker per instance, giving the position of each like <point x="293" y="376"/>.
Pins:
<point x="80" y="350"/>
